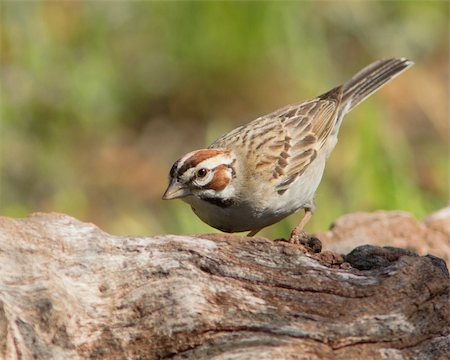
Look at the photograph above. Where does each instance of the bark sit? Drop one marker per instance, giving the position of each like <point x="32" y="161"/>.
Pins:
<point x="71" y="291"/>
<point x="393" y="228"/>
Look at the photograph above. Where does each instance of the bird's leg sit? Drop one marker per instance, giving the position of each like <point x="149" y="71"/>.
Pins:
<point x="253" y="232"/>
<point x="298" y="232"/>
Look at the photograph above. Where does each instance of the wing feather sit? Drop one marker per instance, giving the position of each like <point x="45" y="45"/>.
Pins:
<point x="285" y="142"/>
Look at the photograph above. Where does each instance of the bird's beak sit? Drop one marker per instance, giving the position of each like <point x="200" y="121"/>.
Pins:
<point x="175" y="190"/>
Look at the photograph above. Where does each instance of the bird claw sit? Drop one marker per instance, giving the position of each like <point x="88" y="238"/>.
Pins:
<point x="309" y="242"/>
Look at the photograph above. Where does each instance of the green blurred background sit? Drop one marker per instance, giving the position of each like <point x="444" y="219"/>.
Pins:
<point x="99" y="98"/>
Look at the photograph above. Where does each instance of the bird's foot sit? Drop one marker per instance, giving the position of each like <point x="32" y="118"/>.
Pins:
<point x="308" y="241"/>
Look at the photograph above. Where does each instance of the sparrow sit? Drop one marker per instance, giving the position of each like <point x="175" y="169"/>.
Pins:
<point x="261" y="172"/>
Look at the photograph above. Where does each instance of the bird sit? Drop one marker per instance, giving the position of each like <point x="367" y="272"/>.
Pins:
<point x="261" y="172"/>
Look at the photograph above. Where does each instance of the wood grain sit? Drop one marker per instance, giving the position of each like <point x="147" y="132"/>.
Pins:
<point x="71" y="291"/>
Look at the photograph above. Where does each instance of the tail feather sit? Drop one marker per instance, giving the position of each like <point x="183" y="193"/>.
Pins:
<point x="370" y="79"/>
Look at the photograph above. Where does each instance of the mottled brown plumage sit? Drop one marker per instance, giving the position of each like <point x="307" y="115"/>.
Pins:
<point x="286" y="141"/>
<point x="259" y="173"/>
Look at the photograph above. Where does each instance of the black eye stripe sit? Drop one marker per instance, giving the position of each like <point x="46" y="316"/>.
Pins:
<point x="183" y="169"/>
<point x="173" y="170"/>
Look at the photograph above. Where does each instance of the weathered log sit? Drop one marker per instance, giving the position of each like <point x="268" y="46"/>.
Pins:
<point x="71" y="291"/>
<point x="394" y="228"/>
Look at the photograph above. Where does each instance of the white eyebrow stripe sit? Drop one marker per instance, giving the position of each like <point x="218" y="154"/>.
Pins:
<point x="215" y="161"/>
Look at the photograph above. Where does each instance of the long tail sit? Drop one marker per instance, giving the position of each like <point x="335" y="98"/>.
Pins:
<point x="370" y="79"/>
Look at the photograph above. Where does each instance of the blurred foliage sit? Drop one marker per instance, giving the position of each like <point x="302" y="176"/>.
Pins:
<point x="99" y="98"/>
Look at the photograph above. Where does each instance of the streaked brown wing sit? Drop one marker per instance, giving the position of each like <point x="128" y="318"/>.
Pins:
<point x="286" y="141"/>
<point x="305" y="135"/>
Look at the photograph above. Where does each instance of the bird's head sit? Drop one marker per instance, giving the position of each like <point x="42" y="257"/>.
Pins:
<point x="207" y="174"/>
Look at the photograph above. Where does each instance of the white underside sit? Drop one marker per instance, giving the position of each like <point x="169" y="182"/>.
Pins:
<point x="270" y="207"/>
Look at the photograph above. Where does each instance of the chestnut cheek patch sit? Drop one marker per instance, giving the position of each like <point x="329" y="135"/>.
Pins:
<point x="220" y="180"/>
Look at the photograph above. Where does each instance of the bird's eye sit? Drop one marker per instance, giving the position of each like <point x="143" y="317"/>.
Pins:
<point x="202" y="172"/>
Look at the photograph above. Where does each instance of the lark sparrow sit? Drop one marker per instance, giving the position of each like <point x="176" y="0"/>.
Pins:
<point x="259" y="173"/>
